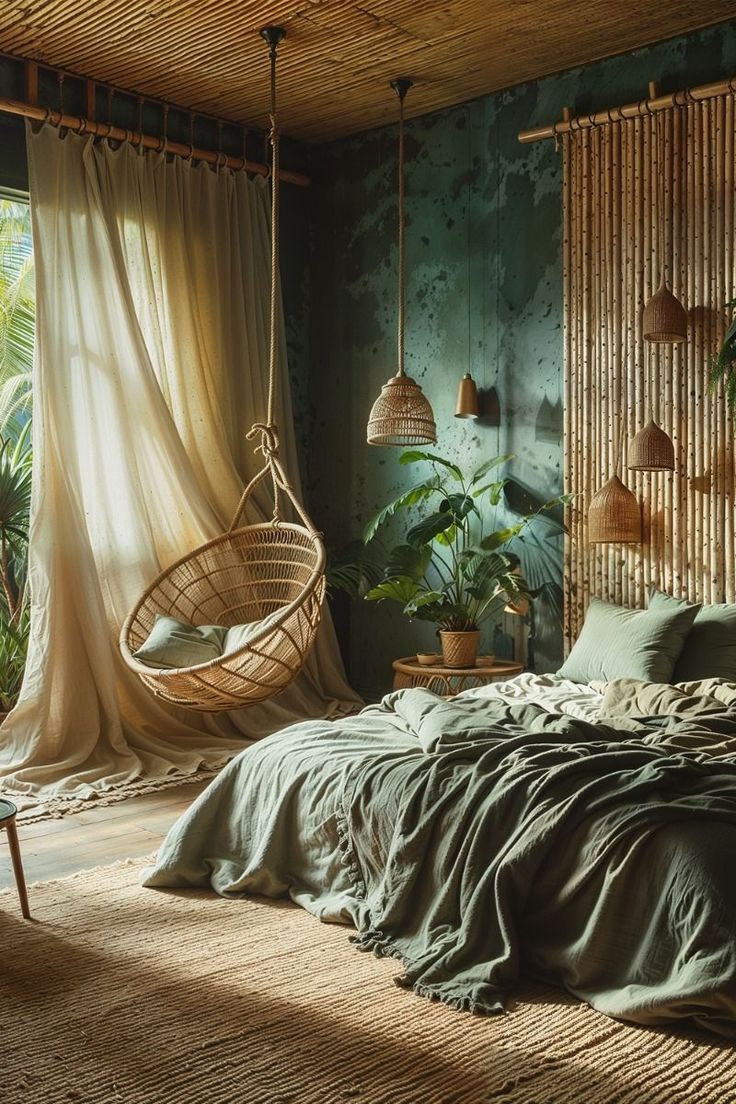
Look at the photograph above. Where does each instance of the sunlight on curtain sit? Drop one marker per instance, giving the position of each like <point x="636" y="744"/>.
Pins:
<point x="152" y="289"/>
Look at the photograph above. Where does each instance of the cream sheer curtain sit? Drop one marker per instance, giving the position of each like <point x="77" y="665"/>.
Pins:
<point x="152" y="290"/>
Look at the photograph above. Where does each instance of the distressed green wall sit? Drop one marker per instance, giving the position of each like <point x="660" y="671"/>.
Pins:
<point x="484" y="294"/>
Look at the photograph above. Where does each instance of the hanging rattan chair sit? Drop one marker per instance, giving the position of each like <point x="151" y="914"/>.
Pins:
<point x="271" y="572"/>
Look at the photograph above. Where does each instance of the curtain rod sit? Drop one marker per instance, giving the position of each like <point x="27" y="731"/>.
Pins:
<point x="630" y="111"/>
<point x="148" y="141"/>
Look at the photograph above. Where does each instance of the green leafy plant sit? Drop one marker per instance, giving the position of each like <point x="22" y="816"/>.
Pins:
<point x="452" y="568"/>
<point x="17" y="328"/>
<point x="723" y="364"/>
<point x="17" y="316"/>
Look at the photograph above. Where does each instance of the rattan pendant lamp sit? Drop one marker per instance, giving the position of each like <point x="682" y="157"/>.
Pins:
<point x="266" y="578"/>
<point x="614" y="514"/>
<point x="664" y="322"/>
<point x="651" y="449"/>
<point x="401" y="415"/>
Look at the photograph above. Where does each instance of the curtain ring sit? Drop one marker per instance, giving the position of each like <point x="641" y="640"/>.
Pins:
<point x="82" y="128"/>
<point x="221" y="162"/>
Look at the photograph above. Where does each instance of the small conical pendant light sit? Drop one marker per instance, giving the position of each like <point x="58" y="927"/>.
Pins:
<point x="401" y="415"/>
<point x="665" y="319"/>
<point x="614" y="515"/>
<point x="651" y="450"/>
<point x="467" y="398"/>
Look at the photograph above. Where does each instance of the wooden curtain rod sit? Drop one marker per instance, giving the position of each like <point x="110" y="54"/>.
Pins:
<point x="630" y="111"/>
<point x="148" y="141"/>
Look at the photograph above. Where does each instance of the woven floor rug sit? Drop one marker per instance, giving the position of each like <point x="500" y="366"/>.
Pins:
<point x="118" y="993"/>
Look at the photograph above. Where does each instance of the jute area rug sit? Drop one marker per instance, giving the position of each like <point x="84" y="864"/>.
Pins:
<point x="118" y="993"/>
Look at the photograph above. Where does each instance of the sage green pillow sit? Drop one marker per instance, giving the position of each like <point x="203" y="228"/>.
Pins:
<point x="239" y="635"/>
<point x="623" y="643"/>
<point x="174" y="643"/>
<point x="710" y="648"/>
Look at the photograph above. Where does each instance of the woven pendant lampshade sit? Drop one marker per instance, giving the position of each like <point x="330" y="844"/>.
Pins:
<point x="664" y="319"/>
<point x="614" y="515"/>
<point x="401" y="415"/>
<point x="651" y="450"/>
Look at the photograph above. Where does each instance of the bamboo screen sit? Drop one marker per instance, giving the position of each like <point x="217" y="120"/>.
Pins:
<point x="615" y="243"/>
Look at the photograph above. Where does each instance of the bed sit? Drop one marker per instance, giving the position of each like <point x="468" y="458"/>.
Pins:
<point x="579" y="835"/>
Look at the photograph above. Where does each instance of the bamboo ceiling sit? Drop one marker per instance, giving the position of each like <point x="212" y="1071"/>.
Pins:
<point x="205" y="54"/>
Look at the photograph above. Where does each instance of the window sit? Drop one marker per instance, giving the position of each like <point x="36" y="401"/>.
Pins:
<point x="17" y="331"/>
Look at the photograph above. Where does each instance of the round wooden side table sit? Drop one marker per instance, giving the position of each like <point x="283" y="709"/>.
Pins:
<point x="7" y="823"/>
<point x="449" y="681"/>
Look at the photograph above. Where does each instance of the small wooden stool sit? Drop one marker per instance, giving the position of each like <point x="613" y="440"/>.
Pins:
<point x="7" y="822"/>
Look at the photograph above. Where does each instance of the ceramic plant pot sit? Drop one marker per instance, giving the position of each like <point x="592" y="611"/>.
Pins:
<point x="460" y="649"/>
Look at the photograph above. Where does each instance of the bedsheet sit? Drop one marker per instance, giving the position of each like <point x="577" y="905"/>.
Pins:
<point x="475" y="839"/>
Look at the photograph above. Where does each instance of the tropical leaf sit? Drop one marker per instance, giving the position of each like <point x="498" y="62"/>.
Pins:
<point x="459" y="505"/>
<point x="14" y="636"/>
<point x="15" y="491"/>
<point x="408" y="561"/>
<point x="494" y="462"/>
<point x="355" y="568"/>
<point x="447" y="536"/>
<point x="427" y="530"/>
<point x="402" y="589"/>
<point x="404" y="500"/>
<point x="17" y="316"/>
<point x="495" y="490"/>
<point x="427" y="606"/>
<point x="414" y="456"/>
<point x="502" y="536"/>
<point x="483" y="573"/>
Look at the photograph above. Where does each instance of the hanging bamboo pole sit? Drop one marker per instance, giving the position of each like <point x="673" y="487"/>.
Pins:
<point x="164" y="145"/>
<point x="629" y="111"/>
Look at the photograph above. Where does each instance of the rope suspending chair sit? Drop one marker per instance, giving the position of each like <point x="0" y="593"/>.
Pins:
<point x="269" y="576"/>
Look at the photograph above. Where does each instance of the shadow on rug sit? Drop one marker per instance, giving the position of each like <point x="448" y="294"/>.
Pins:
<point x="117" y="993"/>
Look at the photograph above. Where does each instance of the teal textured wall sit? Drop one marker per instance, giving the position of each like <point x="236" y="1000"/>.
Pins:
<point x="484" y="294"/>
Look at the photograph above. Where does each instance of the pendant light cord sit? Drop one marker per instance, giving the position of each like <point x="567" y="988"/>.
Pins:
<point x="401" y="92"/>
<point x="274" y="136"/>
<point x="661" y="194"/>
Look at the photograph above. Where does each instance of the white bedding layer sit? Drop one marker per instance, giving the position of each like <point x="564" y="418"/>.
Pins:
<point x="550" y="692"/>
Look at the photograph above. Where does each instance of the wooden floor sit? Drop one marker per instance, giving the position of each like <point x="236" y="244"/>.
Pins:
<point x="96" y="836"/>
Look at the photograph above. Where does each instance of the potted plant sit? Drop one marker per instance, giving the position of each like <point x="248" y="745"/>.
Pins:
<point x="454" y="567"/>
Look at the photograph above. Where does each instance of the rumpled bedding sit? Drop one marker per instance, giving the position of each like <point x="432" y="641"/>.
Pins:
<point x="481" y="838"/>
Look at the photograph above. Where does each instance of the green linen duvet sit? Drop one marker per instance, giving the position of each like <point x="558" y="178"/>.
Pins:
<point x="476" y="841"/>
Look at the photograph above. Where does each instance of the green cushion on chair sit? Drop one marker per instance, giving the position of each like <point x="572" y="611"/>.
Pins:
<point x="616" y="642"/>
<point x="173" y="643"/>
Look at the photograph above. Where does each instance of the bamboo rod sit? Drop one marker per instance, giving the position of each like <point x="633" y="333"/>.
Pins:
<point x="630" y="110"/>
<point x="148" y="141"/>
<point x="616" y="243"/>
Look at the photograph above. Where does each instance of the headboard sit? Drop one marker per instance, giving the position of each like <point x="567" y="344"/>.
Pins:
<point x="614" y="250"/>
